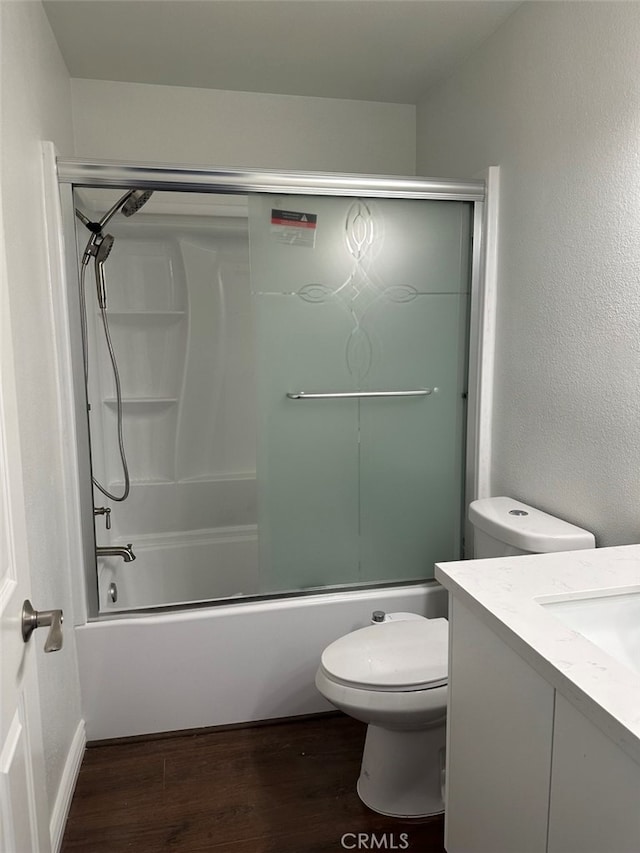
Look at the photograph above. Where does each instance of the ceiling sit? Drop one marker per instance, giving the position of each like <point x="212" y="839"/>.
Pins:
<point x="372" y="50"/>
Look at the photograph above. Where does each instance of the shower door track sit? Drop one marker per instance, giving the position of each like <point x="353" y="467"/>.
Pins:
<point x="75" y="172"/>
<point x="160" y="176"/>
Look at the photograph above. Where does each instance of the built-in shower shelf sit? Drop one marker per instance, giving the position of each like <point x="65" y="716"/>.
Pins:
<point x="145" y="316"/>
<point x="142" y="401"/>
<point x="118" y="485"/>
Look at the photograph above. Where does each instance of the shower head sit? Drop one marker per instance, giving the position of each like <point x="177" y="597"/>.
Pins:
<point x="104" y="248"/>
<point x="129" y="204"/>
<point x="135" y="201"/>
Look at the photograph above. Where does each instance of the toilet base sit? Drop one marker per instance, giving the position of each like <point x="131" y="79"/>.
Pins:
<point x="402" y="772"/>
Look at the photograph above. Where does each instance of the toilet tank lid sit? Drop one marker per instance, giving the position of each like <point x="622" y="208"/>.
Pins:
<point x="526" y="527"/>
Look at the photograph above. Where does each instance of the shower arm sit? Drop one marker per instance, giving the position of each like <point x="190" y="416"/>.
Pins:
<point x="116" y="207"/>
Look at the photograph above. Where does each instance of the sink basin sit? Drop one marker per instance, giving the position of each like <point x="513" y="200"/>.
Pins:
<point x="610" y="621"/>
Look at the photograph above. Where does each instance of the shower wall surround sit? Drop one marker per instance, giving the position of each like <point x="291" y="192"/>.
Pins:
<point x="181" y="322"/>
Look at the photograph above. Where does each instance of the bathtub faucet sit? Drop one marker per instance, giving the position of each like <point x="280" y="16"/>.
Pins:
<point x="126" y="552"/>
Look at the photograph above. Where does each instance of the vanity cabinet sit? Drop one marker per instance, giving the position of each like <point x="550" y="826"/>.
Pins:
<point x="595" y="789"/>
<point x="526" y="771"/>
<point x="499" y="738"/>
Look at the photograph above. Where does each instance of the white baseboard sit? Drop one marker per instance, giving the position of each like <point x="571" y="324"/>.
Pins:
<point x="67" y="787"/>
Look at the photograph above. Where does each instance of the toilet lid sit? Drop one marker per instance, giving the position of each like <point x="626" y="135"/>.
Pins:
<point x="391" y="656"/>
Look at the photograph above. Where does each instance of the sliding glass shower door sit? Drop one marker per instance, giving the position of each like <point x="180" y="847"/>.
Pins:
<point x="293" y="377"/>
<point x="361" y="322"/>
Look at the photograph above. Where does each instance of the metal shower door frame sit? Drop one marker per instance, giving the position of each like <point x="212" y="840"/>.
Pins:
<point x="75" y="172"/>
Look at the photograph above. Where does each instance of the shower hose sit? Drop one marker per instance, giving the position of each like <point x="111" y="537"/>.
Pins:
<point x="116" y="377"/>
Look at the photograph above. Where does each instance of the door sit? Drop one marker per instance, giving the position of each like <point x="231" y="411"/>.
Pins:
<point x="361" y="310"/>
<point x="23" y="807"/>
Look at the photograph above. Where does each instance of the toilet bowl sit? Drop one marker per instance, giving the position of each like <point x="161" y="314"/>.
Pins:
<point x="393" y="676"/>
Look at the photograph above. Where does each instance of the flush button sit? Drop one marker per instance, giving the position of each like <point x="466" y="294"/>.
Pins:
<point x="517" y="512"/>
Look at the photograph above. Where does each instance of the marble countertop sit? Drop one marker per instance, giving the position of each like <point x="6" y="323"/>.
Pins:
<point x="502" y="592"/>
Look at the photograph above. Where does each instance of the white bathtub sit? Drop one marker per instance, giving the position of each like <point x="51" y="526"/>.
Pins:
<point x="222" y="664"/>
<point x="194" y="541"/>
<point x="179" y="568"/>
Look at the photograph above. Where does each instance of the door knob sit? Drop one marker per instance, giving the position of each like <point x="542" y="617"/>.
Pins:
<point x="52" y="619"/>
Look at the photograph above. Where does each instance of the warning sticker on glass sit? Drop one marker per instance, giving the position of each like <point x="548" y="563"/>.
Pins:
<point x="294" y="228"/>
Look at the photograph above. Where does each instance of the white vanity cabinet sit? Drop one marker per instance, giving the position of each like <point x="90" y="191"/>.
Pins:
<point x="594" y="803"/>
<point x="526" y="771"/>
<point x="499" y="738"/>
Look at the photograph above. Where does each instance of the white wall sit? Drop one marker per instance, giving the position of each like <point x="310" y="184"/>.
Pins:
<point x="141" y="122"/>
<point x="36" y="105"/>
<point x="553" y="98"/>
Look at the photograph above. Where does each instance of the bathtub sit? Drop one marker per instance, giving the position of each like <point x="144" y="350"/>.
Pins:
<point x="180" y="568"/>
<point x="193" y="540"/>
<point x="228" y="663"/>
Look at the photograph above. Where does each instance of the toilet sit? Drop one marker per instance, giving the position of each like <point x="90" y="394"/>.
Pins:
<point x="392" y="675"/>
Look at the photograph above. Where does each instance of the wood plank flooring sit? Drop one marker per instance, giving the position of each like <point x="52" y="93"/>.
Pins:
<point x="282" y="788"/>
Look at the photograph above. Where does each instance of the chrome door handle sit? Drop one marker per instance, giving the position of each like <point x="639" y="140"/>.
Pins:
<point x="52" y="619"/>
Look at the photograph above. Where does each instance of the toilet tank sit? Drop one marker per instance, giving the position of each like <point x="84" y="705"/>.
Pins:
<point x="504" y="527"/>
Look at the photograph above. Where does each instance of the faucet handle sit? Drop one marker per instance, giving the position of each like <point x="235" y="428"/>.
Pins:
<point x="106" y="511"/>
<point x="52" y="619"/>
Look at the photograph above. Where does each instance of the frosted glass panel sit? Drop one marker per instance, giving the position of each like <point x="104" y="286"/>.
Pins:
<point x="308" y="470"/>
<point x="370" y="244"/>
<point x="359" y="295"/>
<point x="410" y="449"/>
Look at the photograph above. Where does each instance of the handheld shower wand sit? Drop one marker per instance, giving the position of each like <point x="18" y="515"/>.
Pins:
<point x="98" y="247"/>
<point x="102" y="253"/>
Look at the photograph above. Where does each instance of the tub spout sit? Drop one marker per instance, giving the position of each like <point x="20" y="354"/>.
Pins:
<point x="124" y="551"/>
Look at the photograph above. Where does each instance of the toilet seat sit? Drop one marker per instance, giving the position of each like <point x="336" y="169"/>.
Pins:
<point x="390" y="657"/>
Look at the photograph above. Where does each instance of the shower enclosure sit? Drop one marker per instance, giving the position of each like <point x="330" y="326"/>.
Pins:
<point x="293" y="355"/>
<point x="305" y="371"/>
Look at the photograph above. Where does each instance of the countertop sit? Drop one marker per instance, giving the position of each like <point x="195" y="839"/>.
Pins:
<point x="502" y="592"/>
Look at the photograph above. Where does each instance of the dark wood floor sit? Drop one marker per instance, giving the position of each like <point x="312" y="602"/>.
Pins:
<point x="281" y="788"/>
